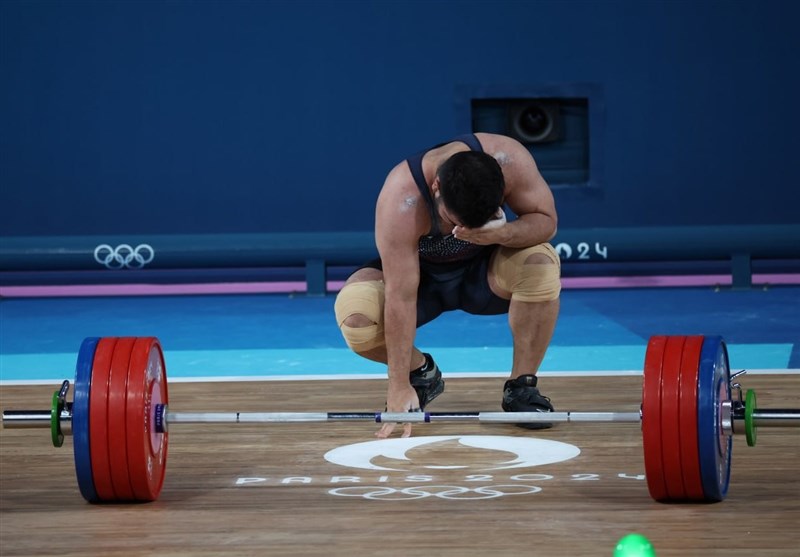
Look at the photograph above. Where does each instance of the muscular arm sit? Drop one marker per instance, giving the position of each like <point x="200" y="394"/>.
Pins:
<point x="401" y="276"/>
<point x="527" y="194"/>
<point x="399" y="219"/>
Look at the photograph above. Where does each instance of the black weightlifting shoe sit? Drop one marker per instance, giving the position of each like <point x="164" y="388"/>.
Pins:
<point x="521" y="395"/>
<point x="427" y="381"/>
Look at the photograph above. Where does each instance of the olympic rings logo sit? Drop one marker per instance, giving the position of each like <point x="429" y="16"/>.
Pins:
<point x="453" y="492"/>
<point x="124" y="256"/>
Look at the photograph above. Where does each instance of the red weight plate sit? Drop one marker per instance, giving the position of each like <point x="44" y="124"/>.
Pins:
<point x="690" y="457"/>
<point x="670" y="417"/>
<point x="117" y="430"/>
<point x="98" y="419"/>
<point x="651" y="418"/>
<point x="147" y="449"/>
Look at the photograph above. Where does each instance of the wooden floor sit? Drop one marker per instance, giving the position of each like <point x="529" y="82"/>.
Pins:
<point x="267" y="490"/>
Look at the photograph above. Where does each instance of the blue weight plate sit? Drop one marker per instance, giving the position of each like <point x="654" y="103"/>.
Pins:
<point x="80" y="419"/>
<point x="714" y="446"/>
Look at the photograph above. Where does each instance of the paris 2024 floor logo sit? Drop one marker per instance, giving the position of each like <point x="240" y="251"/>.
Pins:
<point x="479" y="453"/>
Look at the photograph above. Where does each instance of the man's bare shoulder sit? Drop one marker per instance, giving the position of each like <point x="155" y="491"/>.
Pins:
<point x="399" y="176"/>
<point x="399" y="189"/>
<point x="401" y="207"/>
<point x="503" y="148"/>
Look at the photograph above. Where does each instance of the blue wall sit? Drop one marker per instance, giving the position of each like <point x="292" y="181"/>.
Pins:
<point x="187" y="117"/>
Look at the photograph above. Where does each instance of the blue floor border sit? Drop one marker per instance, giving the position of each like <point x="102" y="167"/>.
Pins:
<point x="217" y="336"/>
<point x="332" y="363"/>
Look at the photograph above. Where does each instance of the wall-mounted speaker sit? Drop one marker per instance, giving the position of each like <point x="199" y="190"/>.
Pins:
<point x="534" y="121"/>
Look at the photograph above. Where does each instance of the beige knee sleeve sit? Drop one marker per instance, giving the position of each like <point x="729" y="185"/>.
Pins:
<point x="361" y="298"/>
<point x="528" y="282"/>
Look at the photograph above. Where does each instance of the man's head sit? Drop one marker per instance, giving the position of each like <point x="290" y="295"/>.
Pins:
<point x="471" y="186"/>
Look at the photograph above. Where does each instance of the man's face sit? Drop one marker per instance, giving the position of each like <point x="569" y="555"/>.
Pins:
<point x="447" y="217"/>
<point x="441" y="209"/>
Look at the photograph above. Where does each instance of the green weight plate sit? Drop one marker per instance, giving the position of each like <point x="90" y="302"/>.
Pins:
<point x="749" y="424"/>
<point x="55" y="424"/>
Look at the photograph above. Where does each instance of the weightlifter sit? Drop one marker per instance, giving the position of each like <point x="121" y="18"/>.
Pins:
<point x="444" y="243"/>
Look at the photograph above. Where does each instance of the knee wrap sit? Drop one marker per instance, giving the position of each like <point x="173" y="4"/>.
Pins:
<point x="529" y="282"/>
<point x="361" y="298"/>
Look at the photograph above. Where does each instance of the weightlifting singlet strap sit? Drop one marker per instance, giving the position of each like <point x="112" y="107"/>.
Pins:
<point x="415" y="164"/>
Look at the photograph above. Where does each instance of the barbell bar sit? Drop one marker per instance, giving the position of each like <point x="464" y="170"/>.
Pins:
<point x="18" y="419"/>
<point x="164" y="417"/>
<point x="119" y="418"/>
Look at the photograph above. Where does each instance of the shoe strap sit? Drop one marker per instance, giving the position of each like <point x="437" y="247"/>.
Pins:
<point x="527" y="380"/>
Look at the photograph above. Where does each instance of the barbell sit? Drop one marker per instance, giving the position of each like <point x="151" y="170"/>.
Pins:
<point x="119" y="418"/>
